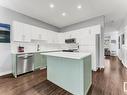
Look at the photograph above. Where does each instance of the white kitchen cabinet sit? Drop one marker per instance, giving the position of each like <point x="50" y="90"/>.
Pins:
<point x="96" y="29"/>
<point x="21" y="32"/>
<point x="38" y="33"/>
<point x="61" y="38"/>
<point x="27" y="33"/>
<point x="68" y="35"/>
<point x="44" y="34"/>
<point x="17" y="31"/>
<point x="55" y="38"/>
<point x="84" y="36"/>
<point x="52" y="37"/>
<point x="35" y="33"/>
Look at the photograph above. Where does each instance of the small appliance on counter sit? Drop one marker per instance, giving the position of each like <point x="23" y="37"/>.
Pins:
<point x="20" y="49"/>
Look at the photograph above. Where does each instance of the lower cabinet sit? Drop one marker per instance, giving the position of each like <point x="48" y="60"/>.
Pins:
<point x="39" y="61"/>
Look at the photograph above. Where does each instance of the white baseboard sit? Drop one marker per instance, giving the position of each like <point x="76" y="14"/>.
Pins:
<point x="5" y="73"/>
<point x="88" y="88"/>
<point x="43" y="68"/>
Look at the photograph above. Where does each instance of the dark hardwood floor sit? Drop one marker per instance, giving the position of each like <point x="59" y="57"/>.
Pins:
<point x="110" y="80"/>
<point x="105" y="82"/>
<point x="34" y="83"/>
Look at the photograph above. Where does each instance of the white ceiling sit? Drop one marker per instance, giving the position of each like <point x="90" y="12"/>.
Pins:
<point x="114" y="10"/>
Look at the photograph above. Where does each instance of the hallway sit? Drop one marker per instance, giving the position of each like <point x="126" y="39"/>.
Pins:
<point x="110" y="80"/>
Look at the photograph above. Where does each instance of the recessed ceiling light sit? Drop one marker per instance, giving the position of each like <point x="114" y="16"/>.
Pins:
<point x="79" y="6"/>
<point x="52" y="6"/>
<point x="64" y="14"/>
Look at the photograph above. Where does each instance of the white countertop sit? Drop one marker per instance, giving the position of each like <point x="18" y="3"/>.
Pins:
<point x="72" y="55"/>
<point x="35" y="51"/>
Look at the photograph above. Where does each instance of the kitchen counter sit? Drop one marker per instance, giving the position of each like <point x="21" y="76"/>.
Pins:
<point x="70" y="70"/>
<point x="72" y="55"/>
<point x="36" y="52"/>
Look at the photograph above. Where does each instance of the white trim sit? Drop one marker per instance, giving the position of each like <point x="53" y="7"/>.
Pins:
<point x="43" y="68"/>
<point x="88" y="88"/>
<point x="5" y="73"/>
<point x="124" y="86"/>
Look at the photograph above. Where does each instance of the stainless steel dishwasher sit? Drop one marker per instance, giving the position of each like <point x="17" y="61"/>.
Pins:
<point x="24" y="63"/>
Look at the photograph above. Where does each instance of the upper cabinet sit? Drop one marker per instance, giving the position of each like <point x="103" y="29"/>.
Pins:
<point x="52" y="37"/>
<point x="21" y="32"/>
<point x="39" y="33"/>
<point x="61" y="38"/>
<point x="25" y="33"/>
<point x="84" y="36"/>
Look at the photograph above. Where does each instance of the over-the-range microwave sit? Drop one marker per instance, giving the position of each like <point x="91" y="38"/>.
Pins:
<point x="70" y="41"/>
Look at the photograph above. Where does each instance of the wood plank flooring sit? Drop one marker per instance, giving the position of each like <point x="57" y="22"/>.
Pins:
<point x="34" y="83"/>
<point x="109" y="81"/>
<point x="105" y="82"/>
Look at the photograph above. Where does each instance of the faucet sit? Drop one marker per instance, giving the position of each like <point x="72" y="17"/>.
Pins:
<point x="38" y="47"/>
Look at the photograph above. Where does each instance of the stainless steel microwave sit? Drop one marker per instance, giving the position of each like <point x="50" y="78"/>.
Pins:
<point x="71" y="40"/>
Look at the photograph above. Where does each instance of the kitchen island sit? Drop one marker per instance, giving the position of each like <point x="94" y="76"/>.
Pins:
<point x="71" y="71"/>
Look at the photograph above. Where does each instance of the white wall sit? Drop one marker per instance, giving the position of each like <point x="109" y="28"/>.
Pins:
<point x="7" y="16"/>
<point x="5" y="59"/>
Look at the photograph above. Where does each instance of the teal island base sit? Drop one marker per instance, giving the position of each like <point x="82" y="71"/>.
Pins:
<point x="73" y="75"/>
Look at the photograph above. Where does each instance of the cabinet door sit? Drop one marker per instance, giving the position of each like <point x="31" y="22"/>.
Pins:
<point x="52" y="37"/>
<point x="44" y="61"/>
<point x="21" y="32"/>
<point x="96" y="29"/>
<point x="43" y="34"/>
<point x="39" y="61"/>
<point x="76" y="34"/>
<point x="84" y="37"/>
<point x="36" y="34"/>
<point x="87" y="36"/>
<point x="68" y="35"/>
<point x="55" y="38"/>
<point x="27" y="33"/>
<point x="93" y="31"/>
<point x="61" y="38"/>
<point x="17" y="31"/>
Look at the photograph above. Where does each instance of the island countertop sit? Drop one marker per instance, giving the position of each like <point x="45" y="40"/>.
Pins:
<point x="72" y="55"/>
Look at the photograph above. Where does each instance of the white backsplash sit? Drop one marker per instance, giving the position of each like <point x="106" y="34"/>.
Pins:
<point x="44" y="46"/>
<point x="32" y="47"/>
